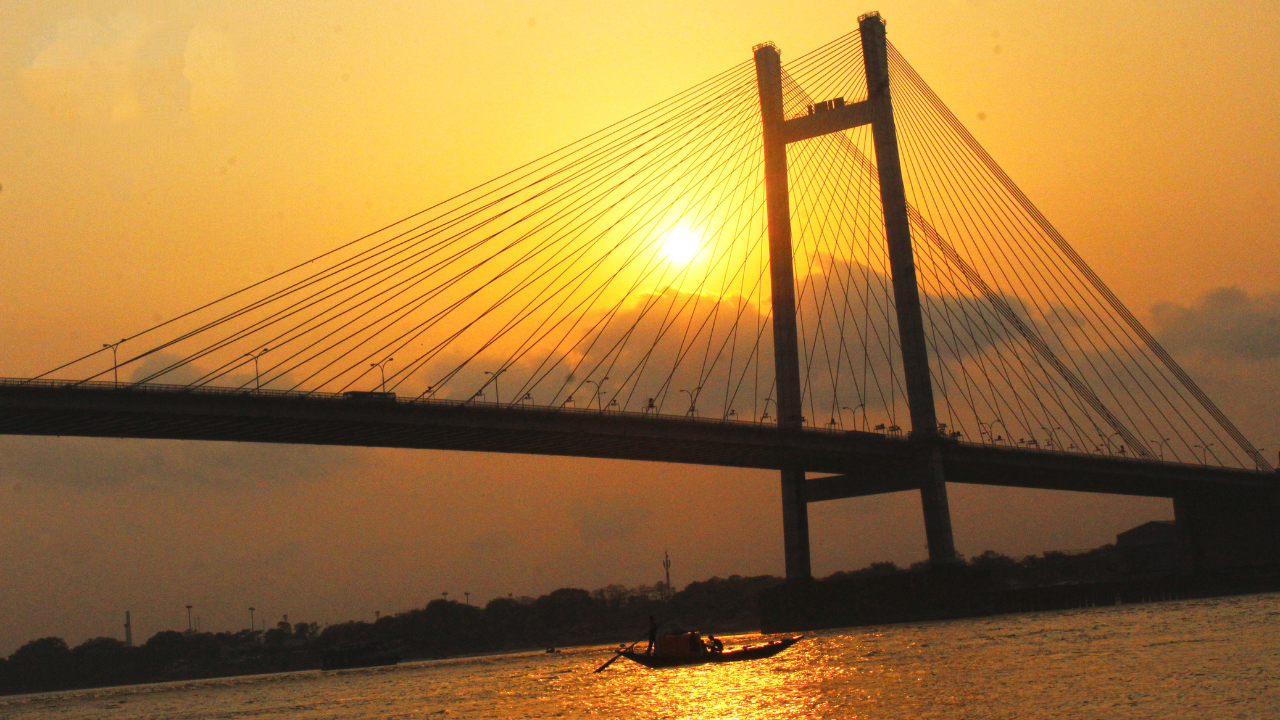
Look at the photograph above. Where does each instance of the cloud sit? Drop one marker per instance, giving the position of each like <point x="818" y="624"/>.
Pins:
<point x="1226" y="323"/>
<point x="91" y="463"/>
<point x="125" y="68"/>
<point x="665" y="343"/>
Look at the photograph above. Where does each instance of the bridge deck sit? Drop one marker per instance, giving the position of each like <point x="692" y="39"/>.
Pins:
<point x="866" y="462"/>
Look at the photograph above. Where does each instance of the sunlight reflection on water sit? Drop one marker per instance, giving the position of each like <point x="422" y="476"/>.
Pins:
<point x="1197" y="658"/>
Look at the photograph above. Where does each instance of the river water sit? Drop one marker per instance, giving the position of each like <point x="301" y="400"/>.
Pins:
<point x="1196" y="658"/>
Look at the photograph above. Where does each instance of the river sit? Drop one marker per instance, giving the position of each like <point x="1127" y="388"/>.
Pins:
<point x="1215" y="658"/>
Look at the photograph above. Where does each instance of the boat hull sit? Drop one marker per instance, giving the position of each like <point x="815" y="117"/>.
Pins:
<point x="750" y="652"/>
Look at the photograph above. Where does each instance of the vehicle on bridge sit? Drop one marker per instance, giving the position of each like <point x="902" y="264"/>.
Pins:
<point x="369" y="396"/>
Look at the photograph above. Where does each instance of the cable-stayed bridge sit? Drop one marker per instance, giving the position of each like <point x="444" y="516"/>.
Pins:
<point x="810" y="267"/>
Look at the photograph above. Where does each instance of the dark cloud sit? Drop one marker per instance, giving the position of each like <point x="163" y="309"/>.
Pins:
<point x="669" y="343"/>
<point x="1226" y="323"/>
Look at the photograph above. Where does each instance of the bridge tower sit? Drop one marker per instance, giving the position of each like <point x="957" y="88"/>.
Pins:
<point x="778" y="132"/>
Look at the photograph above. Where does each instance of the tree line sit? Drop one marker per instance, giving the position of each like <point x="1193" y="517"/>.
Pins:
<point x="444" y="627"/>
<point x="441" y="628"/>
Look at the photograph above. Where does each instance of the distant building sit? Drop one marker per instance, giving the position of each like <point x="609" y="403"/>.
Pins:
<point x="1150" y="547"/>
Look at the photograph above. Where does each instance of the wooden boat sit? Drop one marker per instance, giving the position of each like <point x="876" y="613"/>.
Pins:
<point x="748" y="652"/>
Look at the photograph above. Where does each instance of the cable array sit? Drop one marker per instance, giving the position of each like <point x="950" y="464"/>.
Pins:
<point x="628" y="272"/>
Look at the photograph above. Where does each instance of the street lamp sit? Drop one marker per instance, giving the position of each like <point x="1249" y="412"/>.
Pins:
<point x="992" y="428"/>
<point x="251" y="609"/>
<point x="257" y="378"/>
<point x="693" y="398"/>
<point x="115" y="361"/>
<point x="1205" y="455"/>
<point x="767" y="400"/>
<point x="1108" y="440"/>
<point x="854" y="410"/>
<point x="1053" y="442"/>
<point x="189" y="617"/>
<point x="1160" y="443"/>
<point x="599" y="392"/>
<point x="497" y="396"/>
<point x="382" y="368"/>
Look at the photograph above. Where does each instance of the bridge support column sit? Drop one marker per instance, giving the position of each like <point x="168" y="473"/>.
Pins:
<point x="906" y="293"/>
<point x="1224" y="531"/>
<point x="795" y="524"/>
<point x="786" y="353"/>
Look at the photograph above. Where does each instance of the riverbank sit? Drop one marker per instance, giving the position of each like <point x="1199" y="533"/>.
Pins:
<point x="968" y="592"/>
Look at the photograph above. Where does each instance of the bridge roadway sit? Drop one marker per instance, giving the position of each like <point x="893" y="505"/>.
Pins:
<point x="862" y="463"/>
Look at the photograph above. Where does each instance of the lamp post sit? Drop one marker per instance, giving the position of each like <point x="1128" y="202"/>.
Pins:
<point x="854" y="410"/>
<point x="251" y="624"/>
<point x="1053" y="442"/>
<point x="765" y="416"/>
<point x="257" y="378"/>
<point x="1204" y="457"/>
<point x="382" y="368"/>
<point x="599" y="392"/>
<point x="693" y="399"/>
<point x="497" y="396"/>
<point x="991" y="428"/>
<point x="189" y="617"/>
<point x="1108" y="441"/>
<point x="115" y="360"/>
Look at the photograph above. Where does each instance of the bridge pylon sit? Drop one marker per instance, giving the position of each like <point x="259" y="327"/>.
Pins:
<point x="778" y="132"/>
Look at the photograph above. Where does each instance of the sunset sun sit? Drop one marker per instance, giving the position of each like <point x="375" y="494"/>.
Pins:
<point x="681" y="246"/>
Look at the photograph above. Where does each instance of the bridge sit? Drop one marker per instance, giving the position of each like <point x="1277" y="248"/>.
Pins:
<point x="778" y="268"/>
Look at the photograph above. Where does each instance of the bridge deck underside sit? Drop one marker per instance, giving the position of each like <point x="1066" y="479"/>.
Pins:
<point x="866" y="462"/>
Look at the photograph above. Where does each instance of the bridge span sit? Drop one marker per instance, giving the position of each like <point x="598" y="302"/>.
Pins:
<point x="861" y="463"/>
<point x="822" y="236"/>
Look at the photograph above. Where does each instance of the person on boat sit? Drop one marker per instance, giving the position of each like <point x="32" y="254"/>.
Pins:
<point x="695" y="644"/>
<point x="653" y="636"/>
<point x="714" y="645"/>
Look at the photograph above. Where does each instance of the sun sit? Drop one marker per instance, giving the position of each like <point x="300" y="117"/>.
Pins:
<point x="680" y="245"/>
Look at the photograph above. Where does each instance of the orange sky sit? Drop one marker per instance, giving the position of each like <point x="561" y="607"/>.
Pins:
<point x="158" y="154"/>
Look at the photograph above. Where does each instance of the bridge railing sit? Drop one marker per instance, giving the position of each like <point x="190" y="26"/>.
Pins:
<point x="110" y="386"/>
